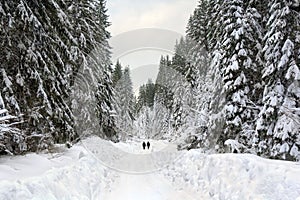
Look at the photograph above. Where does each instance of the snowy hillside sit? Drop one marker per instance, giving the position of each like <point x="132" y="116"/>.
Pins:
<point x="77" y="173"/>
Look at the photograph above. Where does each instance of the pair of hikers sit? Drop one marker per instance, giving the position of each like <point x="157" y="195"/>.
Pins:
<point x="144" y="145"/>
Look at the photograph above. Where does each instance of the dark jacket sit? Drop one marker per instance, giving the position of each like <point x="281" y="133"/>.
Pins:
<point x="144" y="145"/>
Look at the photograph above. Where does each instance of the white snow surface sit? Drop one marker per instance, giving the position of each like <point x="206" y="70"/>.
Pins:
<point x="235" y="176"/>
<point x="73" y="174"/>
<point x="97" y="169"/>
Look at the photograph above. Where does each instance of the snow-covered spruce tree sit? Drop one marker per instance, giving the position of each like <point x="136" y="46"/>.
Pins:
<point x="277" y="129"/>
<point x="200" y="31"/>
<point x="163" y="85"/>
<point x="150" y="92"/>
<point x="215" y="13"/>
<point x="164" y="99"/>
<point x="141" y="99"/>
<point x="263" y="9"/>
<point x="153" y="122"/>
<point x="141" y="123"/>
<point x="90" y="23"/>
<point x="183" y="82"/>
<point x="124" y="103"/>
<point x="117" y="73"/>
<point x="36" y="70"/>
<point x="240" y="68"/>
<point x="152" y="113"/>
<point x="159" y="123"/>
<point x="181" y="62"/>
<point x="41" y="54"/>
<point x="103" y="70"/>
<point x="198" y="28"/>
<point x="174" y="92"/>
<point x="146" y="96"/>
<point x="205" y="32"/>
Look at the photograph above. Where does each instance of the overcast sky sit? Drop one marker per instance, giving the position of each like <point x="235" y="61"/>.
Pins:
<point x="129" y="15"/>
<point x="126" y="15"/>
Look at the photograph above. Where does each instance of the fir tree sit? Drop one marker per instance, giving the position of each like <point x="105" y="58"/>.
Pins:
<point x="124" y="100"/>
<point x="52" y="45"/>
<point x="117" y="73"/>
<point x="240" y="41"/>
<point x="277" y="130"/>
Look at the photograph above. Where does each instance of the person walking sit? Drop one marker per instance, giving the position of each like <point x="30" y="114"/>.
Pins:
<point x="144" y="145"/>
<point x="148" y="144"/>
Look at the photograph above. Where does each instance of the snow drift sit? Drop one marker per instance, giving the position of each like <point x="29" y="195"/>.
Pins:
<point x="235" y="176"/>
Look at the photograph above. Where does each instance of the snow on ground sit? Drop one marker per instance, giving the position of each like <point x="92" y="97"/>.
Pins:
<point x="130" y="157"/>
<point x="150" y="186"/>
<point x="73" y="174"/>
<point x="139" y="175"/>
<point x="97" y="169"/>
<point x="13" y="168"/>
<point x="235" y="176"/>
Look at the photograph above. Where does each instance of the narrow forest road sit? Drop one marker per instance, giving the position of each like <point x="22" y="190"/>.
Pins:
<point x="137" y="172"/>
<point x="151" y="186"/>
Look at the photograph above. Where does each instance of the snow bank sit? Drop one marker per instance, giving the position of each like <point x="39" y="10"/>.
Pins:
<point x="235" y="176"/>
<point x="74" y="174"/>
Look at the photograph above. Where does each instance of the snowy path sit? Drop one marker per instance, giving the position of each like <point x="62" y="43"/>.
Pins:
<point x="144" y="187"/>
<point x="138" y="171"/>
<point x="130" y="157"/>
<point x="100" y="170"/>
